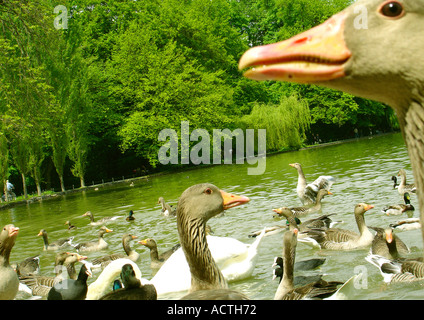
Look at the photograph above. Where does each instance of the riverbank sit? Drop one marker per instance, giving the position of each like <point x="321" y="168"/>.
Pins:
<point x="131" y="181"/>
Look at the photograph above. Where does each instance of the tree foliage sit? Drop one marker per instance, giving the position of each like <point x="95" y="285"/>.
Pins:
<point x="94" y="97"/>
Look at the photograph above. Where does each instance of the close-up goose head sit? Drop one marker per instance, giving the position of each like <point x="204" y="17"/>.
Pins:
<point x="360" y="50"/>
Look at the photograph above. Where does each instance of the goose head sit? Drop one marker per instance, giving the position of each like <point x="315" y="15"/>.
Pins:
<point x="361" y="50"/>
<point x="204" y="201"/>
<point x="7" y="240"/>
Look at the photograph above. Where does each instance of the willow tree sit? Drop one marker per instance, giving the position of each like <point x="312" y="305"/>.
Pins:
<point x="286" y="123"/>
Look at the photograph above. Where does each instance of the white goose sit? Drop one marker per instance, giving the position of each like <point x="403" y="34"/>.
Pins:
<point x="235" y="259"/>
<point x="104" y="281"/>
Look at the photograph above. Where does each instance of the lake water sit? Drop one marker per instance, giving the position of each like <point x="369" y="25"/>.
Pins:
<point x="363" y="170"/>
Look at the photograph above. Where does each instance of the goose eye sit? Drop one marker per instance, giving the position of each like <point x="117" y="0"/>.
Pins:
<point x="208" y="191"/>
<point x="392" y="9"/>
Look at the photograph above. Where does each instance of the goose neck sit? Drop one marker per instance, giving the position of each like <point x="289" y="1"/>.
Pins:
<point x="205" y="274"/>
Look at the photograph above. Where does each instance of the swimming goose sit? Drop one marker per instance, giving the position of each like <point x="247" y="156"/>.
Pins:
<point x="40" y="285"/>
<point x="100" y="244"/>
<point x="133" y="289"/>
<point x="397" y="271"/>
<point x="365" y="60"/>
<point x="130" y="253"/>
<point x="196" y="206"/>
<point x="70" y="226"/>
<point x="29" y="266"/>
<point x="305" y="210"/>
<point x="70" y="289"/>
<point x="387" y="244"/>
<point x="398" y="209"/>
<point x="167" y="210"/>
<point x="286" y="289"/>
<point x="342" y="239"/>
<point x="102" y="284"/>
<point x="9" y="282"/>
<point x="407" y="224"/>
<point x="55" y="245"/>
<point x="403" y="186"/>
<point x="309" y="192"/>
<point x="100" y="221"/>
<point x="157" y="260"/>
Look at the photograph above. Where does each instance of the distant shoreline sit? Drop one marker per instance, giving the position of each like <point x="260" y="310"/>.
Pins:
<point x="129" y="181"/>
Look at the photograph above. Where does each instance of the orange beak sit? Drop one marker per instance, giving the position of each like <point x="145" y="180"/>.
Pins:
<point x="231" y="200"/>
<point x="389" y="237"/>
<point x="279" y="210"/>
<point x="318" y="54"/>
<point x="368" y="207"/>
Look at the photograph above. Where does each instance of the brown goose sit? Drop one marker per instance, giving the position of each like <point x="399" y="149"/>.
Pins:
<point x="305" y="210"/>
<point x="157" y="260"/>
<point x="55" y="245"/>
<point x="130" y="253"/>
<point x="167" y="210"/>
<point x="408" y="270"/>
<point x="9" y="282"/>
<point x="308" y="193"/>
<point x="196" y="206"/>
<point x="364" y="60"/>
<point x="29" y="266"/>
<point x="403" y="187"/>
<point x="387" y="244"/>
<point x="100" y="221"/>
<point x="100" y="244"/>
<point x="286" y="291"/>
<point x="40" y="285"/>
<point x="342" y="239"/>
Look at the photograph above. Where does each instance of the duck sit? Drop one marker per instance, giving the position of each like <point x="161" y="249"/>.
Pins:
<point x="101" y="286"/>
<point x="167" y="210"/>
<point x="403" y="186"/>
<point x="9" y="282"/>
<point x="70" y="226"/>
<point x="395" y="184"/>
<point x="133" y="288"/>
<point x="308" y="193"/>
<point x="387" y="244"/>
<point x="305" y="210"/>
<point x="157" y="260"/>
<point x="342" y="239"/>
<point x="196" y="206"/>
<point x="365" y="61"/>
<point x="397" y="270"/>
<point x="100" y="221"/>
<point x="130" y="216"/>
<point x="304" y="265"/>
<point x="70" y="289"/>
<point x="55" y="245"/>
<point x="98" y="245"/>
<point x="398" y="209"/>
<point x="29" y="266"/>
<point x="286" y="290"/>
<point x="407" y="224"/>
<point x="40" y="285"/>
<point x="129" y="253"/>
<point x="278" y="272"/>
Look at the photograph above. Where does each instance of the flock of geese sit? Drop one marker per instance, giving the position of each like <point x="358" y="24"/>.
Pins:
<point x="203" y="264"/>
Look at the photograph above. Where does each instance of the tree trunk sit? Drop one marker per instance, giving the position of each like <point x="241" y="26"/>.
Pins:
<point x="24" y="186"/>
<point x="62" y="183"/>
<point x="82" y="182"/>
